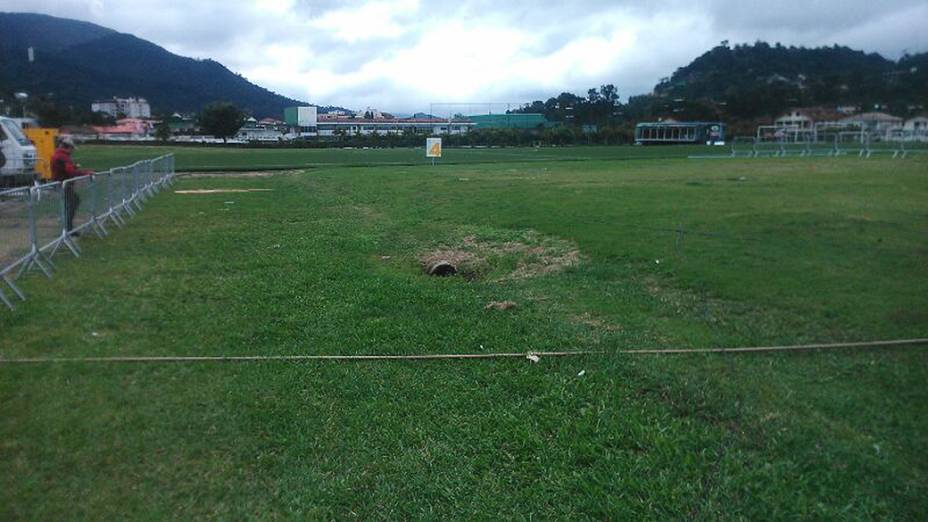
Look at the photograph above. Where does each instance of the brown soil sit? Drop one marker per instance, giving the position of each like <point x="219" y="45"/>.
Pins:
<point x="233" y="174"/>
<point x="500" y="305"/>
<point x="220" y="191"/>
<point x="536" y="256"/>
<point x="594" y="322"/>
<point x="546" y="264"/>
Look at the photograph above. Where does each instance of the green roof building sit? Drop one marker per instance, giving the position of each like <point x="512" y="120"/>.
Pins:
<point x="509" y="121"/>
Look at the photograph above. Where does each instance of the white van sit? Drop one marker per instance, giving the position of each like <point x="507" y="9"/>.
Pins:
<point x="17" y="154"/>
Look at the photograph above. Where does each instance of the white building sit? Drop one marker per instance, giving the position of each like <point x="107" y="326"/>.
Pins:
<point x="806" y="118"/>
<point x="127" y="107"/>
<point x="361" y="126"/>
<point x="254" y="130"/>
<point x="916" y="129"/>
<point x="878" y="123"/>
<point x="916" y="124"/>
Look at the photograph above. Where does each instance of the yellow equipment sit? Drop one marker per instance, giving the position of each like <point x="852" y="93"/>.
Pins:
<point x="44" y="141"/>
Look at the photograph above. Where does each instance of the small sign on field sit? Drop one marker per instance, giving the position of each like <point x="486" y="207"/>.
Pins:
<point x="433" y="147"/>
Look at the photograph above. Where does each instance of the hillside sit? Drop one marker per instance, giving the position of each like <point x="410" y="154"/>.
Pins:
<point x="78" y="62"/>
<point x="760" y="79"/>
<point x="747" y="85"/>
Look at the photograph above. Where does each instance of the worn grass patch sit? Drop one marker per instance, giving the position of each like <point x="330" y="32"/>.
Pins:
<point x="502" y="255"/>
<point x="239" y="174"/>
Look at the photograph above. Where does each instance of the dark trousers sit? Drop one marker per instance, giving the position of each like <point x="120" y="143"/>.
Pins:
<point x="71" y="202"/>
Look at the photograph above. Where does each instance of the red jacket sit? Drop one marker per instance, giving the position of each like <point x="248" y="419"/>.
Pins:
<point x="63" y="167"/>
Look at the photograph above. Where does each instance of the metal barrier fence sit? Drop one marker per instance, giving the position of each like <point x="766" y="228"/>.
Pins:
<point x="37" y="222"/>
<point x="858" y="143"/>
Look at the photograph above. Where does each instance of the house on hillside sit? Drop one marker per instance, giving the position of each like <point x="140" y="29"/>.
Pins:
<point x="916" y="129"/>
<point x="916" y="124"/>
<point x="805" y="118"/>
<point x="876" y="123"/>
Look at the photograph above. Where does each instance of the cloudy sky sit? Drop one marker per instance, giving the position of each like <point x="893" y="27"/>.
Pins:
<point x="400" y="55"/>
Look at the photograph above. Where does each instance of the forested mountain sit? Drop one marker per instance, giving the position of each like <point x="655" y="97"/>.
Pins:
<point x="755" y="83"/>
<point x="762" y="80"/>
<point x="78" y="62"/>
<point x="46" y="32"/>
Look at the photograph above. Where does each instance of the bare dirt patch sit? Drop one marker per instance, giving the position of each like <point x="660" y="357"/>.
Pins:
<point x="546" y="263"/>
<point x="509" y="256"/>
<point x="596" y="323"/>
<point x="220" y="191"/>
<point x="500" y="305"/>
<point x="235" y="174"/>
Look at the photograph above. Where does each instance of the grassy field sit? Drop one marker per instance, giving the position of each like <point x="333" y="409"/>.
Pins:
<point x="102" y="157"/>
<point x="605" y="254"/>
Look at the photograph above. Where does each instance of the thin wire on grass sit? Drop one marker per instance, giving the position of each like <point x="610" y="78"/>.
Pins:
<point x="529" y="355"/>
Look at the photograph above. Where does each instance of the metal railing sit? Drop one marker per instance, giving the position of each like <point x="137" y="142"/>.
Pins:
<point x="860" y="143"/>
<point x="37" y="222"/>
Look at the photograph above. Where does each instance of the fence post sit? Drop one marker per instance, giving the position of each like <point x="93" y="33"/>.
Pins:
<point x="112" y="180"/>
<point x="35" y="256"/>
<point x="124" y="183"/>
<point x="138" y="194"/>
<point x="96" y="224"/>
<point x="66" y="185"/>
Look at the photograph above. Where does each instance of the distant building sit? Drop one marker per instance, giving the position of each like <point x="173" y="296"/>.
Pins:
<point x="364" y="126"/>
<point x="333" y="115"/>
<point x="916" y="124"/>
<point x="273" y="122"/>
<point x="306" y="122"/>
<point x="805" y="118"/>
<point x="254" y="130"/>
<point x="510" y="121"/>
<point x="182" y="124"/>
<point x="125" y="129"/>
<point x="848" y="109"/>
<point x="302" y="120"/>
<point x="127" y="107"/>
<point x="675" y="132"/>
<point x="915" y="129"/>
<point x="876" y="123"/>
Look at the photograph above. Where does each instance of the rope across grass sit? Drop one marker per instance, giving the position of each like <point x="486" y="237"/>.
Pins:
<point x="533" y="356"/>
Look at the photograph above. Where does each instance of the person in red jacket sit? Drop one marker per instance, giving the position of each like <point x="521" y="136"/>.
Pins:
<point x="63" y="168"/>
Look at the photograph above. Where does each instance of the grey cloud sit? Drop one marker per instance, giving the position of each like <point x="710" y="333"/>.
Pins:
<point x="238" y="35"/>
<point x="803" y="16"/>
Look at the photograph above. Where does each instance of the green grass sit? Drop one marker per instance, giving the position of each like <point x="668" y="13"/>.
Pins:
<point x="772" y="252"/>
<point x="101" y="157"/>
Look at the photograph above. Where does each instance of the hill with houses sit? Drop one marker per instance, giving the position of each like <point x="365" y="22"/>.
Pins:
<point x="762" y="80"/>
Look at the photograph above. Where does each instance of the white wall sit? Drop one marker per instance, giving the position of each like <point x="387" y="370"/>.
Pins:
<point x="306" y="116"/>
